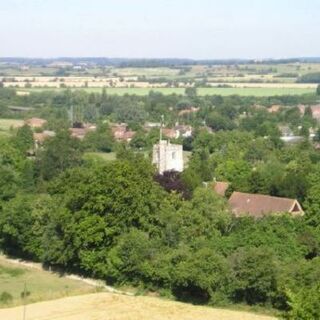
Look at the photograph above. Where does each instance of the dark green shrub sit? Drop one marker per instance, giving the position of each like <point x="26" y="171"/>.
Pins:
<point x="5" y="297"/>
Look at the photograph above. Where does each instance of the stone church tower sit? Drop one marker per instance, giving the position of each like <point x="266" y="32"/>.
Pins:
<point x="167" y="156"/>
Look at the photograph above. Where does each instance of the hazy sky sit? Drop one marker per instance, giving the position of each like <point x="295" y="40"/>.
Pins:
<point x="163" y="28"/>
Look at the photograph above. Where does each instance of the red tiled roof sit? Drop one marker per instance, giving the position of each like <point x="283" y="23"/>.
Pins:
<point x="169" y="133"/>
<point x="220" y="188"/>
<point x="78" y="132"/>
<point x="302" y="108"/>
<point x="274" y="108"/>
<point x="258" y="205"/>
<point x="39" y="137"/>
<point x="36" y="122"/>
<point x="315" y="111"/>
<point x="120" y="132"/>
<point x="42" y="136"/>
<point x="128" y="135"/>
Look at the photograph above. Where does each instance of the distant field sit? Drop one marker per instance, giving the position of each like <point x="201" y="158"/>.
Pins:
<point x="7" y="124"/>
<point x="41" y="285"/>
<point x="259" y="92"/>
<point x="243" y="70"/>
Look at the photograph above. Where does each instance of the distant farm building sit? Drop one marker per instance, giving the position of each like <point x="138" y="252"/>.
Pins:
<point x="82" y="131"/>
<point x="151" y="125"/>
<point x="40" y="138"/>
<point x="178" y="131"/>
<point x="274" y="109"/>
<point x="120" y="132"/>
<point x="22" y="93"/>
<point x="285" y="131"/>
<point x="257" y="205"/>
<point x="35" y="122"/>
<point x="183" y="131"/>
<point x="315" y="110"/>
<point x="167" y="156"/>
<point x="302" y="109"/>
<point x="19" y="109"/>
<point x="170" y="133"/>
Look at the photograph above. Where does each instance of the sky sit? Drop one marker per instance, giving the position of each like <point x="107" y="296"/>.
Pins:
<point x="197" y="29"/>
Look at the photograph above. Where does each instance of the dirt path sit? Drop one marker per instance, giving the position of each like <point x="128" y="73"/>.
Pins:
<point x="109" y="306"/>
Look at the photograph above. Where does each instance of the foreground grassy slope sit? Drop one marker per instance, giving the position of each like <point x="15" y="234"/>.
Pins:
<point x="107" y="306"/>
<point x="41" y="285"/>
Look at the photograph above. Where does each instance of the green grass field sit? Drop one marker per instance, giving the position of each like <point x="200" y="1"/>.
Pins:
<point x="100" y="155"/>
<point x="112" y="156"/>
<point x="41" y="285"/>
<point x="259" y="92"/>
<point x="7" y="125"/>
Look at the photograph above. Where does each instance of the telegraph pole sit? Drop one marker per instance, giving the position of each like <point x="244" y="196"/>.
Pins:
<point x="24" y="300"/>
<point x="162" y="120"/>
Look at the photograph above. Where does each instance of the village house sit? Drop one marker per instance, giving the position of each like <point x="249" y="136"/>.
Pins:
<point x="220" y="187"/>
<point x="274" y="109"/>
<point x="183" y="131"/>
<point x="258" y="205"/>
<point x="82" y="131"/>
<point x="151" y="125"/>
<point x="302" y="109"/>
<point x="315" y="110"/>
<point x="35" y="122"/>
<point x="22" y="93"/>
<point x="120" y="132"/>
<point x="178" y="131"/>
<point x="19" y="109"/>
<point x="78" y="133"/>
<point x="170" y="133"/>
<point x="285" y="131"/>
<point x="39" y="138"/>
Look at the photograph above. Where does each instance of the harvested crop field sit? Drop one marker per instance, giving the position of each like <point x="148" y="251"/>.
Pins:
<point x="246" y="91"/>
<point x="108" y="306"/>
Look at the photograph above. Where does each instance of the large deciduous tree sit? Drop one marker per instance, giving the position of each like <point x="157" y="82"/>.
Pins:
<point x="24" y="139"/>
<point x="60" y="153"/>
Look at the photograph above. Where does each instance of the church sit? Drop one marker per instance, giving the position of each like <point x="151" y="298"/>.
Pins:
<point x="167" y="156"/>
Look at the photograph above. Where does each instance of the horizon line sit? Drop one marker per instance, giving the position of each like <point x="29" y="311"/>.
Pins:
<point x="159" y="58"/>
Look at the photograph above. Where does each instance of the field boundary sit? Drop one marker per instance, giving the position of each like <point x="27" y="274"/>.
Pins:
<point x="90" y="281"/>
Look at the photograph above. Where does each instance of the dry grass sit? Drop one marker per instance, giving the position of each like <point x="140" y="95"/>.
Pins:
<point x="41" y="284"/>
<point x="44" y="285"/>
<point x="108" y="306"/>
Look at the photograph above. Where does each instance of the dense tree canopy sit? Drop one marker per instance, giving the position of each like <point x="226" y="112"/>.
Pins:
<point x="120" y="221"/>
